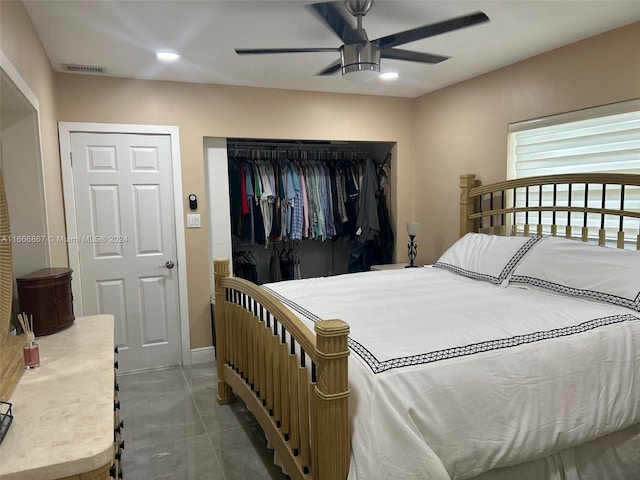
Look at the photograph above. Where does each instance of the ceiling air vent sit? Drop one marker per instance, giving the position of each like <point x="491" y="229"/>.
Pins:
<point x="72" y="67"/>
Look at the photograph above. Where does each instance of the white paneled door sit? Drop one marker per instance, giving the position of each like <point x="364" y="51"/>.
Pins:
<point x="127" y="242"/>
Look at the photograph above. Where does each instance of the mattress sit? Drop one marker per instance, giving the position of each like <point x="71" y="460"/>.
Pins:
<point x="452" y="377"/>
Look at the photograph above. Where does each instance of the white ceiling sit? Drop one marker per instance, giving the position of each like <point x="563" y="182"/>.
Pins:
<point x="123" y="36"/>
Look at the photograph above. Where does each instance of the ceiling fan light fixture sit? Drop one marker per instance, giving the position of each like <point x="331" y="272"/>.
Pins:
<point x="389" y="76"/>
<point x="360" y="73"/>
<point x="360" y="62"/>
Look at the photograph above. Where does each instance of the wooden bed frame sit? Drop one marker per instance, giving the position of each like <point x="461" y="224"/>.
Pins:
<point x="493" y="208"/>
<point x="295" y="381"/>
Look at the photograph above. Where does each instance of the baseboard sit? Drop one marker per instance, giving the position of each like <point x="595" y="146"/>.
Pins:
<point x="202" y="355"/>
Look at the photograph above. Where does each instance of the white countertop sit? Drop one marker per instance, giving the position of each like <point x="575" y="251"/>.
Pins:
<point x="63" y="411"/>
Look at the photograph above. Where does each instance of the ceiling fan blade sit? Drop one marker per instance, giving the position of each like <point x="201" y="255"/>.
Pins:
<point x="261" y="51"/>
<point x="331" y="69"/>
<point x="430" y="30"/>
<point x="397" y="54"/>
<point x="332" y="16"/>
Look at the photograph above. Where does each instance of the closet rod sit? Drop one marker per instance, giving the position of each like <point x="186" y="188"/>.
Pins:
<point x="293" y="146"/>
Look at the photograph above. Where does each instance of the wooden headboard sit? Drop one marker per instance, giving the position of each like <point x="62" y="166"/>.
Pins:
<point x="598" y="207"/>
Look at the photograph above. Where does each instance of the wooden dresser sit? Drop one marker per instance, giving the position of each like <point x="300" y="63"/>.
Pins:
<point x="66" y="413"/>
<point x="46" y="294"/>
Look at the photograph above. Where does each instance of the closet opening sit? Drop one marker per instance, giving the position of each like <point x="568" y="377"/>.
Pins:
<point x="293" y="206"/>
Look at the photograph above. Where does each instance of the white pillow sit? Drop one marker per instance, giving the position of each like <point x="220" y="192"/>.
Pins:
<point x="485" y="257"/>
<point x="575" y="268"/>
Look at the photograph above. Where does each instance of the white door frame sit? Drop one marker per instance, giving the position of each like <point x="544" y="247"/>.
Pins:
<point x="65" y="129"/>
<point x="29" y="97"/>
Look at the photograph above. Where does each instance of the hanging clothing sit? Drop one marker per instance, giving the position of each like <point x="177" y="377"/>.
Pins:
<point x="290" y="196"/>
<point x="282" y="200"/>
<point x="234" y="197"/>
<point x="351" y="204"/>
<point x="328" y="204"/>
<point x="289" y="264"/>
<point x="337" y="219"/>
<point x="305" y="202"/>
<point x="367" y="224"/>
<point x="274" y="265"/>
<point x="258" y="224"/>
<point x="367" y="235"/>
<point x="297" y="207"/>
<point x="244" y="206"/>
<point x="384" y="253"/>
<point x="244" y="266"/>
<point x="276" y="215"/>
<point x="267" y="196"/>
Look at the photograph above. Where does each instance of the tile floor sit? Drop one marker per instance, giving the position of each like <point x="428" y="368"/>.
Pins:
<point x="174" y="429"/>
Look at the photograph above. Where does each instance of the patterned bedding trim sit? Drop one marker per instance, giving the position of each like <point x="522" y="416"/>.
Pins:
<point x="378" y="366"/>
<point x="506" y="271"/>
<point x="633" y="304"/>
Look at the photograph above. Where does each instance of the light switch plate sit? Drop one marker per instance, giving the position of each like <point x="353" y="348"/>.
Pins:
<point x="193" y="220"/>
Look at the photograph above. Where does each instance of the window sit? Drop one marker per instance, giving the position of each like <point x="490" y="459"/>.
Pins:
<point x="600" y="139"/>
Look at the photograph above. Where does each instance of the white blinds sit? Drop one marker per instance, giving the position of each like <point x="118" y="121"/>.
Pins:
<point x="594" y="140"/>
<point x="603" y="144"/>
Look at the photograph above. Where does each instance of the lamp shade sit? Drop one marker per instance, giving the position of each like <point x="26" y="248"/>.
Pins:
<point x="412" y="228"/>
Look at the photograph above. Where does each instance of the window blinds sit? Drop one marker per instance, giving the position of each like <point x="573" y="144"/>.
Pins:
<point x="593" y="140"/>
<point x="603" y="144"/>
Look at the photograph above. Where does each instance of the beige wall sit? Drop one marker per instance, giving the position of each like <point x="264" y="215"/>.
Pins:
<point x="22" y="46"/>
<point x="226" y="111"/>
<point x="463" y="129"/>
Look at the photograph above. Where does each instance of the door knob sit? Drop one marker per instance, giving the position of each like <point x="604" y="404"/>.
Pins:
<point x="168" y="265"/>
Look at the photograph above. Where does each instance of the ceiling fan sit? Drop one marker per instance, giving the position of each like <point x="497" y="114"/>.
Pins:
<point x="359" y="56"/>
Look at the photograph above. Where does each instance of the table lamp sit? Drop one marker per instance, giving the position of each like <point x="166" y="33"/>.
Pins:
<point x="412" y="247"/>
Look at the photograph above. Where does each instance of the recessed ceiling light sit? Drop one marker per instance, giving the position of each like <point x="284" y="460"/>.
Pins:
<point x="389" y="75"/>
<point x="167" y="56"/>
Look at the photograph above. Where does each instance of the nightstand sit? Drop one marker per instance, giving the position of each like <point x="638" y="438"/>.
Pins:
<point x="46" y="294"/>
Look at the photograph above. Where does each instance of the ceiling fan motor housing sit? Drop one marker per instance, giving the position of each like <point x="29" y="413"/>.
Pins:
<point x="359" y="57"/>
<point x="358" y="7"/>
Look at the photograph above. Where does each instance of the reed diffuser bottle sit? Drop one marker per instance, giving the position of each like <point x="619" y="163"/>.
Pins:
<point x="30" y="349"/>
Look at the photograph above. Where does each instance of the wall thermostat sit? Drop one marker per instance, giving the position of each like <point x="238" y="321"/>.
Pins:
<point x="193" y="202"/>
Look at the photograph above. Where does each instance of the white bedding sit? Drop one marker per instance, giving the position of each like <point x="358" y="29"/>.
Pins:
<point x="497" y="376"/>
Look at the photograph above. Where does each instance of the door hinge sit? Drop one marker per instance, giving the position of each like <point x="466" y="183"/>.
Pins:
<point x="71" y="159"/>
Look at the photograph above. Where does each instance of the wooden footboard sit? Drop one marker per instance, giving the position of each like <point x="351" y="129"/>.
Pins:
<point x="294" y="382"/>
